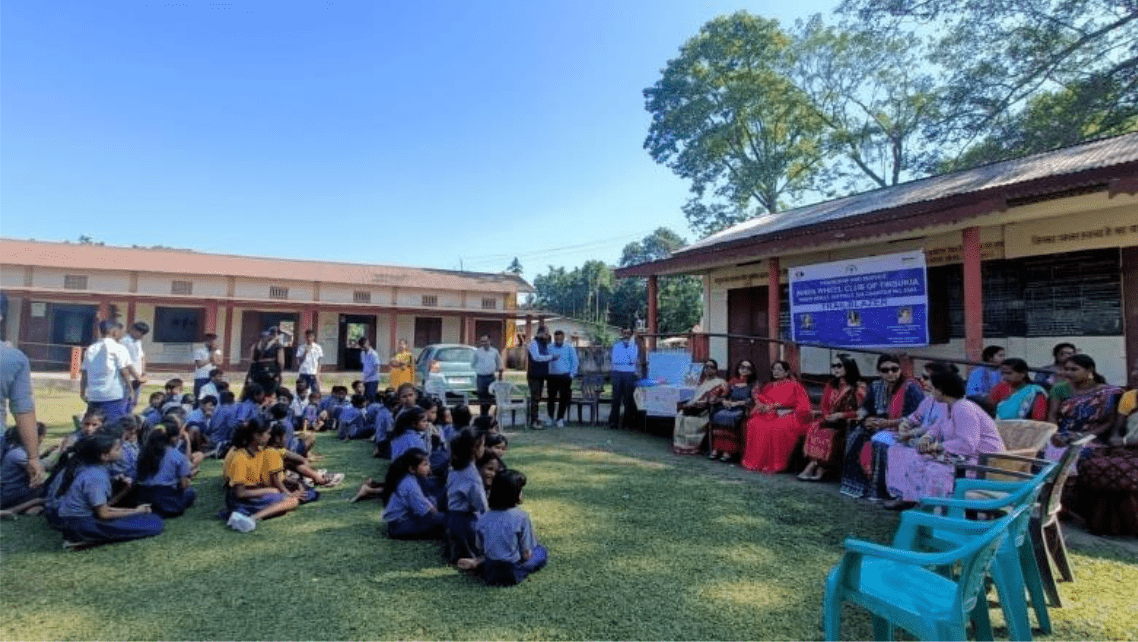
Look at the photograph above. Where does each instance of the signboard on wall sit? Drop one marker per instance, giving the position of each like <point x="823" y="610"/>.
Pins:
<point x="871" y="302"/>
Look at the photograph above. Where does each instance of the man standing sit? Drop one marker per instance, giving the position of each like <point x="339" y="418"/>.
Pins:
<point x="206" y="358"/>
<point x="106" y="373"/>
<point x="625" y="359"/>
<point x="369" y="359"/>
<point x="537" y="372"/>
<point x="562" y="371"/>
<point x="487" y="364"/>
<point x="309" y="354"/>
<point x="16" y="396"/>
<point x="133" y="344"/>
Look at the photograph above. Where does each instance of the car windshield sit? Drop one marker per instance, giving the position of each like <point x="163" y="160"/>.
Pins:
<point x="454" y="354"/>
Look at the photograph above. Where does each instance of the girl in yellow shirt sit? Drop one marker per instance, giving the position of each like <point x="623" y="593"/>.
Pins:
<point x="247" y="497"/>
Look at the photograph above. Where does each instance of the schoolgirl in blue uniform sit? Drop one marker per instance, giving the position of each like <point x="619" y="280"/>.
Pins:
<point x="153" y="413"/>
<point x="16" y="492"/>
<point x="505" y="536"/>
<point x="352" y="423"/>
<point x="223" y="423"/>
<point x="408" y="512"/>
<point x="410" y="430"/>
<point x="465" y="493"/>
<point x="437" y="443"/>
<point x="164" y="473"/>
<point x="252" y="400"/>
<point x="83" y="511"/>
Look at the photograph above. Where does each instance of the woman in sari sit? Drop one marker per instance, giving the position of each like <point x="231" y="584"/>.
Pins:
<point x="890" y="398"/>
<point x="928" y="468"/>
<point x="694" y="415"/>
<point x="402" y="366"/>
<point x="1090" y="408"/>
<point x="1110" y="475"/>
<point x="826" y="438"/>
<point x="781" y="415"/>
<point x="727" y="418"/>
<point x="1016" y="397"/>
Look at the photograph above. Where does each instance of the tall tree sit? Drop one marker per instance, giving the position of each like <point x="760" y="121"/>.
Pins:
<point x="680" y="305"/>
<point x="515" y="266"/>
<point x="726" y="117"/>
<point x="873" y="94"/>
<point x="997" y="55"/>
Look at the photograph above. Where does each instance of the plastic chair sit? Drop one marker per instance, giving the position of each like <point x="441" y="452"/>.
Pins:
<point x="1014" y="566"/>
<point x="897" y="587"/>
<point x="1025" y="437"/>
<point x="508" y="397"/>
<point x="1046" y="536"/>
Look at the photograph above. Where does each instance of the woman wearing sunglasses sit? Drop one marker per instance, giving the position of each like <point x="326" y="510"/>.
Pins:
<point x="842" y="396"/>
<point x="891" y="398"/>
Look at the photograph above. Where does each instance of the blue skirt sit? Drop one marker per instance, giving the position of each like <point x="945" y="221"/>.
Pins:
<point x="460" y="535"/>
<point x="253" y="504"/>
<point x="166" y="501"/>
<point x="90" y="529"/>
<point x="429" y="526"/>
<point x="497" y="573"/>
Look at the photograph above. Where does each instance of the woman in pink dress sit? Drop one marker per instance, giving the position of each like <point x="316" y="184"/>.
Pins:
<point x="780" y="417"/>
<point x="928" y="468"/>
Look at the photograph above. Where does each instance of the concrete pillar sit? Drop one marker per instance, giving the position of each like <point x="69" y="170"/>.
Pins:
<point x="973" y="294"/>
<point x="773" y="312"/>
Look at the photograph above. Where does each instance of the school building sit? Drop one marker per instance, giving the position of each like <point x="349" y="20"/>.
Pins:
<point x="1024" y="253"/>
<point x="58" y="291"/>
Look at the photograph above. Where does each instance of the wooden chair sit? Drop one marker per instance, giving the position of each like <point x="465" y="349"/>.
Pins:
<point x="589" y="396"/>
<point x="508" y="397"/>
<point x="1025" y="437"/>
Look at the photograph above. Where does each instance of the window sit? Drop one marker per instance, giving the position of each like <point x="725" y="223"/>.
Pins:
<point x="75" y="282"/>
<point x="361" y="296"/>
<point x="430" y="300"/>
<point x="428" y="330"/>
<point x="278" y="292"/>
<point x="178" y="325"/>
<point x="489" y="303"/>
<point x="182" y="287"/>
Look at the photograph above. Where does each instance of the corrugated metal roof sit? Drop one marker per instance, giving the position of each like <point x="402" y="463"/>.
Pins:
<point x="1093" y="155"/>
<point x="187" y="262"/>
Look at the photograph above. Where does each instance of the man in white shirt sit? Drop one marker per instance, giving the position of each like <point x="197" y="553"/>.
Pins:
<point x="133" y="344"/>
<point x="487" y="364"/>
<point x="625" y="363"/>
<point x="309" y="355"/>
<point x="206" y="358"/>
<point x="106" y="373"/>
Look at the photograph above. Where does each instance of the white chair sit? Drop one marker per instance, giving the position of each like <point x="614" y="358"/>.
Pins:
<point x="508" y="397"/>
<point x="437" y="385"/>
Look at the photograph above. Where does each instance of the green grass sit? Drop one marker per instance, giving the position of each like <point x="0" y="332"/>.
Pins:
<point x="643" y="545"/>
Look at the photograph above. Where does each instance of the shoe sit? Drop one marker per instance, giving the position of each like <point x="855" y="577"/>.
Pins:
<point x="725" y="457"/>
<point x="713" y="455"/>
<point x="241" y="522"/>
<point x="560" y="423"/>
<point x="897" y="504"/>
<point x="548" y="421"/>
<point x="333" y="480"/>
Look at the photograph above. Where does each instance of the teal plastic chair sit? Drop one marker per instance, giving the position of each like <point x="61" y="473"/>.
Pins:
<point x="1014" y="566"/>
<point x="899" y="587"/>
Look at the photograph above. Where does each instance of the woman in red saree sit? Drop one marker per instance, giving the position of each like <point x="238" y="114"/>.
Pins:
<point x="826" y="438"/>
<point x="780" y="417"/>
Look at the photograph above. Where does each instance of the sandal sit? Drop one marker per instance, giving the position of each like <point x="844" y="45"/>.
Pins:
<point x="713" y="455"/>
<point x="725" y="457"/>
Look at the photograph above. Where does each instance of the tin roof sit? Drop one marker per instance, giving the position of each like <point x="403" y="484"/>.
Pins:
<point x="188" y="262"/>
<point x="1021" y="178"/>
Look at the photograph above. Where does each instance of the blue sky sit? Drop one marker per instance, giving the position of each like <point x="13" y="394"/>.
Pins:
<point x="437" y="134"/>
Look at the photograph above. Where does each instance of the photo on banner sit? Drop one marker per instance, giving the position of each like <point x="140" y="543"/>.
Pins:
<point x="871" y="302"/>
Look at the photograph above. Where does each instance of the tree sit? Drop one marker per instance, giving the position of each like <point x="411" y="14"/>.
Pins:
<point x="680" y="305"/>
<point x="726" y="117"/>
<point x="997" y="56"/>
<point x="873" y="95"/>
<point x="515" y="266"/>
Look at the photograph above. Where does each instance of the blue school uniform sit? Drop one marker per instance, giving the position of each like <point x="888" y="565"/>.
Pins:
<point x="352" y="424"/>
<point x="222" y="424"/>
<point x="505" y="537"/>
<point x="90" y="489"/>
<point x="197" y="419"/>
<point x="383" y="422"/>
<point x="151" y="416"/>
<point x="248" y="410"/>
<point x="127" y="465"/>
<point x="466" y="500"/>
<point x="15" y="485"/>
<point x="408" y="513"/>
<point x="408" y="440"/>
<point x="163" y="490"/>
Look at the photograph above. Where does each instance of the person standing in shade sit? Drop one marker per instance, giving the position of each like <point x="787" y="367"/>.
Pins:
<point x="369" y="361"/>
<point x="309" y="355"/>
<point x="537" y="372"/>
<point x="206" y="359"/>
<point x="133" y="344"/>
<point x="625" y="360"/>
<point x="487" y="364"/>
<point x="562" y="370"/>
<point x="106" y="373"/>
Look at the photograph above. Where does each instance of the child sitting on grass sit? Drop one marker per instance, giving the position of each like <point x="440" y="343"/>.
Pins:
<point x="296" y="463"/>
<point x="408" y="513"/>
<point x="164" y="473"/>
<point x="246" y="497"/>
<point x="465" y="493"/>
<point x="16" y="493"/>
<point x="505" y="536"/>
<point x="81" y="499"/>
<point x="352" y="423"/>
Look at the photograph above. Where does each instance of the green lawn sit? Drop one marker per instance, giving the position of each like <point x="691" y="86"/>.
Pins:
<point x="643" y="545"/>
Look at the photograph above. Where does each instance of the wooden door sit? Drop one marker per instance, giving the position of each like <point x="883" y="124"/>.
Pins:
<point x="490" y="328"/>
<point x="747" y="315"/>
